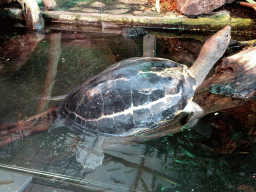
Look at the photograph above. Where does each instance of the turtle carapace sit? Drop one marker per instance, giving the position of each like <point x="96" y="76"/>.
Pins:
<point x="139" y="94"/>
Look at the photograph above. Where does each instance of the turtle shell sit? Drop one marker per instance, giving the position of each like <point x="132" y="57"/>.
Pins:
<point x="133" y="95"/>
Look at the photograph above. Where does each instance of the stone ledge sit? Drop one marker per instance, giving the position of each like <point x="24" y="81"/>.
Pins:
<point x="170" y="20"/>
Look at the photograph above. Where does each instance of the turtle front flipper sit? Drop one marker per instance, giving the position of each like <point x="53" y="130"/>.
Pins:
<point x="197" y="113"/>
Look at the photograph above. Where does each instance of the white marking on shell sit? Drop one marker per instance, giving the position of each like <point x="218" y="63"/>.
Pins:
<point x="168" y="97"/>
<point x="102" y="104"/>
<point x="146" y="91"/>
<point x="132" y="107"/>
<point x="149" y="105"/>
<point x="167" y="72"/>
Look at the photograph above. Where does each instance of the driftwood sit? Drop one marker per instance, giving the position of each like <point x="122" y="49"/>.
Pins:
<point x="40" y="123"/>
<point x="232" y="85"/>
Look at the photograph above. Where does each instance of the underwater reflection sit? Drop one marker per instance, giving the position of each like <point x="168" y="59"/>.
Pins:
<point x="15" y="52"/>
<point x="89" y="152"/>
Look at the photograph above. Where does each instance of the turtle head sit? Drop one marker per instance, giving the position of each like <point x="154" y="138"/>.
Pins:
<point x="216" y="46"/>
<point x="211" y="52"/>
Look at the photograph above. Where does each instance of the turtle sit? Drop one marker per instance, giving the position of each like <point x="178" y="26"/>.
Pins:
<point x="140" y="95"/>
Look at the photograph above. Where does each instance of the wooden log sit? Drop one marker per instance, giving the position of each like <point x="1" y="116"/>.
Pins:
<point x="233" y="84"/>
<point x="40" y="123"/>
<point x="235" y="76"/>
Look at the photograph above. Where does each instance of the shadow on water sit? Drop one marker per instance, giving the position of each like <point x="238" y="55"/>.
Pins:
<point x="47" y="67"/>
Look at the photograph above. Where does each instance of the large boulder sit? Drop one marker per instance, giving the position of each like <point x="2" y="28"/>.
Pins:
<point x="198" y="7"/>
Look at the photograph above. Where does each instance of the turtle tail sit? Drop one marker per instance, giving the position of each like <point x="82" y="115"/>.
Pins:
<point x="39" y="123"/>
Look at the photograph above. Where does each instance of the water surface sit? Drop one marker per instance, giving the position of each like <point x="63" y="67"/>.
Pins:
<point x="46" y="67"/>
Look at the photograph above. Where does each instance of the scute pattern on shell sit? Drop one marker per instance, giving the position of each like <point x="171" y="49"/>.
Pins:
<point x="131" y="96"/>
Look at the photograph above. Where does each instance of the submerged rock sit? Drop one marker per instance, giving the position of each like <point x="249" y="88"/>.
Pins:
<point x="133" y="32"/>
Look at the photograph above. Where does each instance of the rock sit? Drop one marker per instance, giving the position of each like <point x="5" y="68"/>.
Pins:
<point x="121" y="6"/>
<point x="138" y="13"/>
<point x="229" y="1"/>
<point x="97" y="4"/>
<point x="198" y="7"/>
<point x="117" y="11"/>
<point x="141" y="2"/>
<point x="148" y="13"/>
<point x="50" y="4"/>
<point x="133" y="32"/>
<point x="89" y="10"/>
